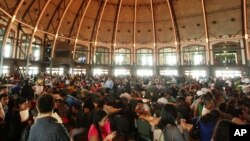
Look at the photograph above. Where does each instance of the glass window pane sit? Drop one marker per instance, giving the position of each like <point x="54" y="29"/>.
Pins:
<point x="169" y="72"/>
<point x="81" y="54"/>
<point x="196" y="73"/>
<point x="121" y="72"/>
<point x="144" y="72"/>
<point x="227" y="53"/>
<point x="194" y="55"/>
<point x="225" y="74"/>
<point x="100" y="71"/>
<point x="56" y="71"/>
<point x="167" y="56"/>
<point x="144" y="58"/>
<point x="77" y="71"/>
<point x="102" y="56"/>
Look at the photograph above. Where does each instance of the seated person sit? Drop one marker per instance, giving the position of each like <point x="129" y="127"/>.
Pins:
<point x="142" y="108"/>
<point x="100" y="129"/>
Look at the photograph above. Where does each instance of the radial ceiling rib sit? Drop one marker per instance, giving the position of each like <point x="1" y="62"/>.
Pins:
<point x="206" y="30"/>
<point x="174" y="23"/>
<point x="153" y="28"/>
<point x="99" y="23"/>
<point x="34" y="32"/>
<point x="52" y="17"/>
<point x="114" y="35"/>
<point x="58" y="28"/>
<point x="153" y="21"/>
<point x="96" y="19"/>
<point x="76" y="17"/>
<point x="205" y="19"/>
<point x="79" y="27"/>
<point x="7" y="30"/>
<point x="245" y="19"/>
<point x="134" y="33"/>
<point x="93" y="31"/>
<point x="245" y="29"/>
<point x="6" y="13"/>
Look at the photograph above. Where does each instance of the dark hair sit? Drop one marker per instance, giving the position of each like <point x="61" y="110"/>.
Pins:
<point x="77" y="106"/>
<point x="237" y="112"/>
<point x="221" y="130"/>
<point x="168" y="116"/>
<point x="100" y="114"/>
<point x="45" y="103"/>
<point x="89" y="105"/>
<point x="100" y="104"/>
<point x="63" y="94"/>
<point x="140" y="101"/>
<point x="2" y="87"/>
<point x="3" y="96"/>
<point x="212" y="116"/>
<point x="21" y="100"/>
<point x="223" y="107"/>
<point x="184" y="111"/>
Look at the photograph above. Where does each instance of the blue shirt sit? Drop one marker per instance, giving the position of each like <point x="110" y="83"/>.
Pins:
<point x="70" y="100"/>
<point x="109" y="84"/>
<point x="206" y="130"/>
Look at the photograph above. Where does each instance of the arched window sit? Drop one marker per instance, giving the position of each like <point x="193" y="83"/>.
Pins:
<point x="144" y="57"/>
<point x="9" y="43"/>
<point x="227" y="53"/>
<point x="36" y="49"/>
<point x="102" y="55"/>
<point x="167" y="56"/>
<point x="24" y="47"/>
<point x="81" y="54"/>
<point x="122" y="56"/>
<point x="194" y="55"/>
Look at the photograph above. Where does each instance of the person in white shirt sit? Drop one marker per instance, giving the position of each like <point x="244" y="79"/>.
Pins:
<point x="142" y="108"/>
<point x="208" y="106"/>
<point x="109" y="84"/>
<point x="126" y="95"/>
<point x="163" y="99"/>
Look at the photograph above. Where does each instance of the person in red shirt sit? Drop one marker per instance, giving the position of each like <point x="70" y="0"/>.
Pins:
<point x="100" y="129"/>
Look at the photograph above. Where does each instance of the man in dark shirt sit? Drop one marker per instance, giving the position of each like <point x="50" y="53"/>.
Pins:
<point x="46" y="128"/>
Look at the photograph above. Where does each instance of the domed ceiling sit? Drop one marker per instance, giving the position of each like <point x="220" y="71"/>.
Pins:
<point x="129" y="22"/>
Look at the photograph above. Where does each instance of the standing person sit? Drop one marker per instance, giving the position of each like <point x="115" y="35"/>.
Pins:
<point x="100" y="129"/>
<point x="27" y="91"/>
<point x="46" y="128"/>
<point x="38" y="88"/>
<point x="109" y="84"/>
<point x="221" y="131"/>
<point x="17" y="122"/>
<point x="169" y="127"/>
<point x="207" y="124"/>
<point x="4" y="100"/>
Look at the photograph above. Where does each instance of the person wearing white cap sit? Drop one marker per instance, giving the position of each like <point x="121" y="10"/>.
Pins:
<point x="196" y="105"/>
<point x="208" y="106"/>
<point x="206" y="90"/>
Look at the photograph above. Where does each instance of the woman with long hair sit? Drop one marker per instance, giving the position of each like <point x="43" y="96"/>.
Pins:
<point x="100" y="129"/>
<point x="221" y="131"/>
<point x="169" y="127"/>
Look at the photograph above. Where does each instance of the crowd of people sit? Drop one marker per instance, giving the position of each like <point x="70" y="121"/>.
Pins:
<point x="83" y="107"/>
